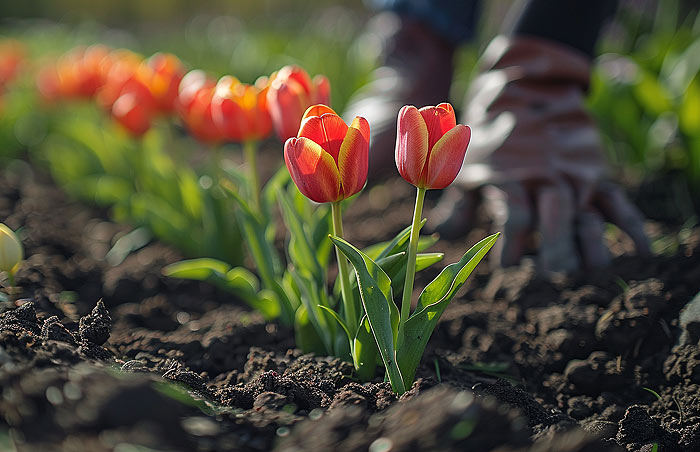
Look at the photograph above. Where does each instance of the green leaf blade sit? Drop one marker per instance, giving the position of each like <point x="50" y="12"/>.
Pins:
<point x="432" y="303"/>
<point x="375" y="293"/>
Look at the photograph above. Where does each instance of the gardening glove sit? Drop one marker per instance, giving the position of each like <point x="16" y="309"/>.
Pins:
<point x="536" y="160"/>
<point x="416" y="70"/>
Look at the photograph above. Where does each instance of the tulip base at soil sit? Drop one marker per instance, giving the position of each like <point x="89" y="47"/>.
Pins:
<point x="517" y="363"/>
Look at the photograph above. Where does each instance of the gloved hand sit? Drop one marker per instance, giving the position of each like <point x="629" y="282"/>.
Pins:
<point x="536" y="160"/>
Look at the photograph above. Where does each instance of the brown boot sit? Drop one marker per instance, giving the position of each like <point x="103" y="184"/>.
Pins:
<point x="417" y="69"/>
<point x="536" y="158"/>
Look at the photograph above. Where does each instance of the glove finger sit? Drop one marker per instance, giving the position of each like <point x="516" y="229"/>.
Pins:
<point x="556" y="213"/>
<point x="615" y="207"/>
<point x="589" y="229"/>
<point x="455" y="213"/>
<point x="509" y="207"/>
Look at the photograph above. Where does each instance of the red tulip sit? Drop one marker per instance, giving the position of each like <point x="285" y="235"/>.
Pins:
<point x="328" y="160"/>
<point x="79" y="73"/>
<point x="194" y="105"/>
<point x="291" y="92"/>
<point x="123" y="73"/>
<point x="12" y="55"/>
<point x="133" y="113"/>
<point x="166" y="74"/>
<point x="430" y="146"/>
<point x="240" y="110"/>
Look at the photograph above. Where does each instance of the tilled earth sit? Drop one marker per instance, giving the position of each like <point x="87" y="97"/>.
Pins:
<point x="100" y="357"/>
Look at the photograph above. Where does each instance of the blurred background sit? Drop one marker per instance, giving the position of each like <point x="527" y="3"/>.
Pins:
<point x="646" y="90"/>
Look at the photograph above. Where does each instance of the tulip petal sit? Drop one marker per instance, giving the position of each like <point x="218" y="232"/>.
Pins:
<point x="353" y="157"/>
<point x="298" y="75"/>
<point x="313" y="170"/>
<point x="411" y="144"/>
<point x="447" y="156"/>
<point x="286" y="103"/>
<point x="327" y="130"/>
<point x="323" y="89"/>
<point x="317" y="110"/>
<point x="439" y="120"/>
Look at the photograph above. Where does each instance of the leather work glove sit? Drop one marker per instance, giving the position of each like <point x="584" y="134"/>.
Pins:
<point x="536" y="160"/>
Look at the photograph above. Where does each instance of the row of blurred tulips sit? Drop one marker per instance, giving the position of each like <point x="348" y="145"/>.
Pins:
<point x="135" y="91"/>
<point x="148" y="176"/>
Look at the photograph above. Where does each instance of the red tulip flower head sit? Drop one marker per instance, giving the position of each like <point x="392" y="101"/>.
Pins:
<point x="430" y="145"/>
<point x="12" y="55"/>
<point x="126" y="93"/>
<point x="194" y="105"/>
<point x="291" y="92"/>
<point x="133" y="112"/>
<point x="123" y="73"/>
<point x="240" y="110"/>
<point x="166" y="74"/>
<point x="328" y="160"/>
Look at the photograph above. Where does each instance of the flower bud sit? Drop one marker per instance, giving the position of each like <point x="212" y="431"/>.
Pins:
<point x="11" y="252"/>
<point x="430" y="145"/>
<point x="328" y="160"/>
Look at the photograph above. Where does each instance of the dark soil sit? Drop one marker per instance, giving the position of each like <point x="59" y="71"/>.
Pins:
<point x="95" y="357"/>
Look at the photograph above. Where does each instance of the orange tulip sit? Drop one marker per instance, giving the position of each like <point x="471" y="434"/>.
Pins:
<point x="291" y="92"/>
<point x="240" y="110"/>
<point x="328" y="160"/>
<point x="430" y="146"/>
<point x="194" y="105"/>
<point x="165" y="77"/>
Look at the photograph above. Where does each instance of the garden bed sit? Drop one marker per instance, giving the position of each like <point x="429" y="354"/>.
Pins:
<point x="568" y="363"/>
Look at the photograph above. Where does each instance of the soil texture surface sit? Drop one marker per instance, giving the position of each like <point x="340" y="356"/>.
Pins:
<point x="104" y="355"/>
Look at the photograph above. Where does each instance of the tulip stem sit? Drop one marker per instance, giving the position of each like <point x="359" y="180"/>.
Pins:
<point x="411" y="261"/>
<point x="250" y="149"/>
<point x="351" y="319"/>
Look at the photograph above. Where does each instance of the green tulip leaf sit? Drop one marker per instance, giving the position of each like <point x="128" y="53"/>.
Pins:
<point x="432" y="303"/>
<point x="300" y="250"/>
<point x="364" y="351"/>
<point x="305" y="333"/>
<point x="382" y="313"/>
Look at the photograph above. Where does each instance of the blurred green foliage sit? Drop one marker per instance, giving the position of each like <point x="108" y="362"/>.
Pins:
<point x="646" y="97"/>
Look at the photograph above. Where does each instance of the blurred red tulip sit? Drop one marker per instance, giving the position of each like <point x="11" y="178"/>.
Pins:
<point x="167" y="72"/>
<point x="430" y="145"/>
<point x="240" y="110"/>
<point x="123" y="72"/>
<point x="328" y="160"/>
<point x="132" y="113"/>
<point x="80" y="73"/>
<point x="291" y="92"/>
<point x="194" y="106"/>
<point x="12" y="55"/>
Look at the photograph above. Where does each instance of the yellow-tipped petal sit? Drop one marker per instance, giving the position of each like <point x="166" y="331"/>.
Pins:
<point x="353" y="157"/>
<point x="317" y="110"/>
<point x="313" y="170"/>
<point x="447" y="157"/>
